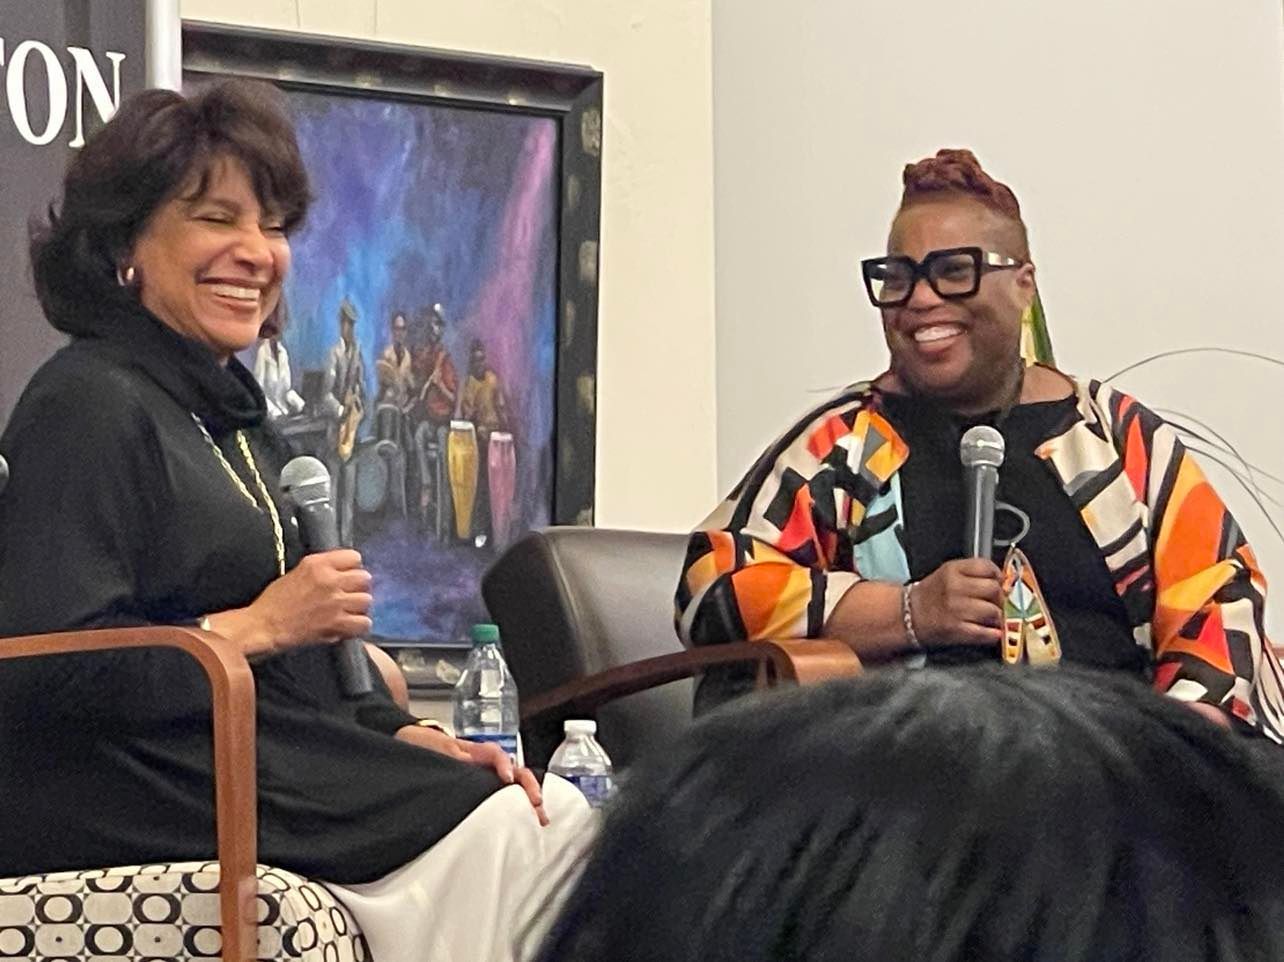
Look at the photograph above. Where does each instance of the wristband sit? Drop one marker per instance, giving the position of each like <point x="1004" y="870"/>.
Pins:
<point x="907" y="616"/>
<point x="442" y="727"/>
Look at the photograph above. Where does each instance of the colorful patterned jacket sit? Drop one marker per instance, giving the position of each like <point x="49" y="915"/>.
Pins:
<point x="820" y="509"/>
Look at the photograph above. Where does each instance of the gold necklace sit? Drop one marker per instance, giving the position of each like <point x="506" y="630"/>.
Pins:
<point x="278" y="534"/>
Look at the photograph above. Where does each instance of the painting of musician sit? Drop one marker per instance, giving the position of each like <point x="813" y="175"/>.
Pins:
<point x="345" y="381"/>
<point x="396" y="375"/>
<point x="482" y="403"/>
<point x="483" y="399"/>
<point x="272" y="371"/>
<point x="435" y="405"/>
<point x="437" y="423"/>
<point x="343" y="398"/>
<point x="272" y="367"/>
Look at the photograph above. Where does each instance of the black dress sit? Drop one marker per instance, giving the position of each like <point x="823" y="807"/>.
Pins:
<point x="118" y="513"/>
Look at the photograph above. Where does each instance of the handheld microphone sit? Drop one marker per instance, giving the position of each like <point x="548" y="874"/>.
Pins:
<point x="981" y="452"/>
<point x="306" y="482"/>
<point x="4" y="473"/>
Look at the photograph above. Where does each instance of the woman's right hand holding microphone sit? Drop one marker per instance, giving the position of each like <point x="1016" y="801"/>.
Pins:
<point x="325" y="599"/>
<point x="960" y="603"/>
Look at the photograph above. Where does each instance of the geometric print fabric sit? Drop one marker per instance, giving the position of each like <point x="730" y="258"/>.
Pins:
<point x="167" y="912"/>
<point x="808" y="521"/>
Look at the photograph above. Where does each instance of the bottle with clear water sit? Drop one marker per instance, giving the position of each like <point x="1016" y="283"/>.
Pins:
<point x="584" y="763"/>
<point x="485" y="697"/>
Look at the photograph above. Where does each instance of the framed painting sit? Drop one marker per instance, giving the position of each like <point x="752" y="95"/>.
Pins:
<point x="437" y="343"/>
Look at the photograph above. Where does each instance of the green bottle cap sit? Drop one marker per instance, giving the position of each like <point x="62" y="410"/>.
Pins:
<point x="485" y="634"/>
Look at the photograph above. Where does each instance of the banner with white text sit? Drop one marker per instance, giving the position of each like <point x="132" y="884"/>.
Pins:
<point x="64" y="67"/>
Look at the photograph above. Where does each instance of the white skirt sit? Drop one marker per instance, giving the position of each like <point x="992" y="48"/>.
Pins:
<point x="488" y="891"/>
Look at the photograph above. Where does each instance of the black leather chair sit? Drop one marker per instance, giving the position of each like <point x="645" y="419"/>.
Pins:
<point x="586" y="618"/>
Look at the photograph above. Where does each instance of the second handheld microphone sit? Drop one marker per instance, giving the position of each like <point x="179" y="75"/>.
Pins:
<point x="981" y="452"/>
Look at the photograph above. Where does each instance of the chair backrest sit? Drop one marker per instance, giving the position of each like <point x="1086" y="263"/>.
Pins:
<point x="572" y="601"/>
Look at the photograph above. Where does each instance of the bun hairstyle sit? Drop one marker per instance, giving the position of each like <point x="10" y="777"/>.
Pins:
<point x="957" y="173"/>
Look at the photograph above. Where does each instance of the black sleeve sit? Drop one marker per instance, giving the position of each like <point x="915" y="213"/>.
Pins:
<point x="383" y="717"/>
<point x="377" y="711"/>
<point x="76" y="523"/>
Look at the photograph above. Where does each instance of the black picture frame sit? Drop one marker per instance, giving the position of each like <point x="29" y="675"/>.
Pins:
<point x="569" y="94"/>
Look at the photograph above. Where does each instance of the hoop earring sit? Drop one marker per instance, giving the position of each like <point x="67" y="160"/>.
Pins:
<point x="125" y="276"/>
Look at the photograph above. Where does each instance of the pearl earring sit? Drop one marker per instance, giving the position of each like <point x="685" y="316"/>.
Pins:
<point x="125" y="276"/>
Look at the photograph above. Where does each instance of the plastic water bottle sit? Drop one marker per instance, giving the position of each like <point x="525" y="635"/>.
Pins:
<point x="584" y="763"/>
<point x="485" y="697"/>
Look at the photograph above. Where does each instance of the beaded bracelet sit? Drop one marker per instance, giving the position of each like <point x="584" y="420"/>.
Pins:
<point x="907" y="616"/>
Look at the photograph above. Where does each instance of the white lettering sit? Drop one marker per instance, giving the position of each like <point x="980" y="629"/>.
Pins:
<point x="90" y="83"/>
<point x="15" y="86"/>
<point x="89" y="78"/>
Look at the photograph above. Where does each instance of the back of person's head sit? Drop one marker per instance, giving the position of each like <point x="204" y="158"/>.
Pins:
<point x="968" y="816"/>
<point x="158" y="144"/>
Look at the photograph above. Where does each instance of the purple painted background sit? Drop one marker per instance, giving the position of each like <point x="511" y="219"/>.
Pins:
<point x="416" y="205"/>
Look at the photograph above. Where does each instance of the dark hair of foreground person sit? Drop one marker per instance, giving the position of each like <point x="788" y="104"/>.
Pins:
<point x="975" y="815"/>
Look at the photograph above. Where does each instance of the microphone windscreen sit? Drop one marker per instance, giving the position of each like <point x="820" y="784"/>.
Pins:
<point x="305" y="480"/>
<point x="982" y="445"/>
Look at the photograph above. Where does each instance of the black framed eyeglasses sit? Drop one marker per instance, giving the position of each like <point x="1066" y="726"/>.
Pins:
<point x="953" y="273"/>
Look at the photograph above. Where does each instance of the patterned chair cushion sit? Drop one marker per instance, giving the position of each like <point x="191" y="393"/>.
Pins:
<point x="155" y="912"/>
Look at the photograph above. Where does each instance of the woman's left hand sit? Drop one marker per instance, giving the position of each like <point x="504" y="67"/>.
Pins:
<point x="485" y="754"/>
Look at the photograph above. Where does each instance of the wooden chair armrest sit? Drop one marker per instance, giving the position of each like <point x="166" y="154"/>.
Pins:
<point x="235" y="782"/>
<point x="803" y="661"/>
<point x="811" y="661"/>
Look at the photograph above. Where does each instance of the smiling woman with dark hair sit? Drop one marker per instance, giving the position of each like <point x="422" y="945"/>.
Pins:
<point x="160" y="144"/>
<point x="145" y="490"/>
<point x="1117" y="552"/>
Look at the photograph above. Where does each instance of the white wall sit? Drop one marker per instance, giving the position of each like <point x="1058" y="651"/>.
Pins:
<point x="656" y="403"/>
<point x="1144" y="139"/>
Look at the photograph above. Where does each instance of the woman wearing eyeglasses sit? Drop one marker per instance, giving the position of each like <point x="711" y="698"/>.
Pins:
<point x="1112" y="550"/>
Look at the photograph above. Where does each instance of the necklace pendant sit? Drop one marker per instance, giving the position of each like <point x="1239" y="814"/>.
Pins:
<point x="1028" y="629"/>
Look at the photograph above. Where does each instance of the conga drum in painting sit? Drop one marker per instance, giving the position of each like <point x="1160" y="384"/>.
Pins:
<point x="461" y="463"/>
<point x="501" y="468"/>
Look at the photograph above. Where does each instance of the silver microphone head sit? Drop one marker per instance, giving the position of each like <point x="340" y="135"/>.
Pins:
<point x="982" y="445"/>
<point x="305" y="481"/>
<point x="4" y="473"/>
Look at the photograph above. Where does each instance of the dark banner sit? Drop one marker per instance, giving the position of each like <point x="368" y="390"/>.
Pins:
<point x="65" y="66"/>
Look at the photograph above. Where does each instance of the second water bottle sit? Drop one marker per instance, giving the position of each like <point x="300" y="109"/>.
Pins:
<point x="584" y="763"/>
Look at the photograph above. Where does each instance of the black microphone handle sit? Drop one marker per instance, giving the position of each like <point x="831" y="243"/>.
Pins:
<point x="320" y="532"/>
<point x="318" y="527"/>
<point x="978" y="529"/>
